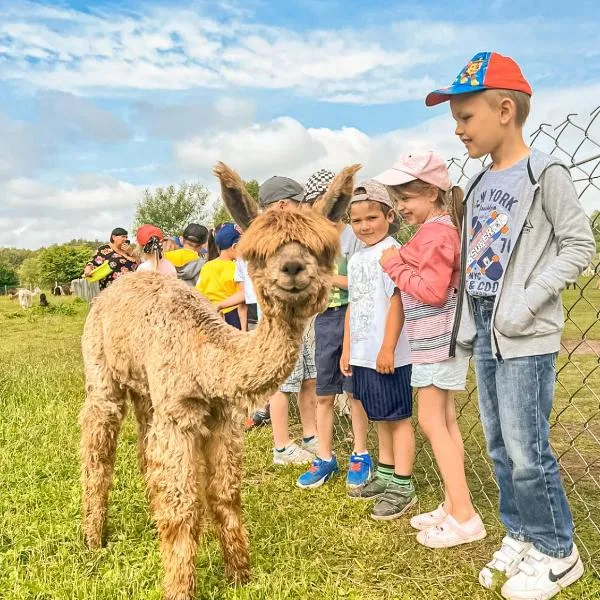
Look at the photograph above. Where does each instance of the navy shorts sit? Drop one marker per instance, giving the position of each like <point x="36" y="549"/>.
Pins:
<point x="329" y="339"/>
<point x="233" y="319"/>
<point x="384" y="397"/>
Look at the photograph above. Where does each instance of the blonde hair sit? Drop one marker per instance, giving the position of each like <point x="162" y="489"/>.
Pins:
<point x="451" y="201"/>
<point x="521" y="100"/>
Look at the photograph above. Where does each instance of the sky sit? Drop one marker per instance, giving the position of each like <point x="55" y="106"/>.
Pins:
<point x="100" y="100"/>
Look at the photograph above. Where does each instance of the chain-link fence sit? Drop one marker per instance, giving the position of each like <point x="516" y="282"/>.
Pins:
<point x="575" y="433"/>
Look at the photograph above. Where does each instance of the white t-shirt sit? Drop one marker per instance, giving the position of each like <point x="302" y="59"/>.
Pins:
<point x="370" y="292"/>
<point x="241" y="276"/>
<point x="165" y="267"/>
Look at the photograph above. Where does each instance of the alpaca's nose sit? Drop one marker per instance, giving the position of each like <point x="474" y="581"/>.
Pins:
<point x="292" y="267"/>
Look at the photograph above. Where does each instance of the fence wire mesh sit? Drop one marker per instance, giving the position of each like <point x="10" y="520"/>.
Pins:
<point x="575" y="426"/>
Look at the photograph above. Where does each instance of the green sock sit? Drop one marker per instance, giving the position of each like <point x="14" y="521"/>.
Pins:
<point x="385" y="472"/>
<point x="404" y="481"/>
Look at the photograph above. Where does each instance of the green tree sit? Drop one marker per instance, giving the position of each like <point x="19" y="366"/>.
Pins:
<point x="62" y="263"/>
<point x="8" y="276"/>
<point x="172" y="208"/>
<point x="13" y="257"/>
<point x="29" y="271"/>
<point x="221" y="214"/>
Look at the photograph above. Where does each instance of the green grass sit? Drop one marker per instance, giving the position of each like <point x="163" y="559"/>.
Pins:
<point x="303" y="544"/>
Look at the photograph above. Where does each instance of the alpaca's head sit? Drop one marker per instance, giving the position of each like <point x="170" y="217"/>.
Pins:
<point x="291" y="255"/>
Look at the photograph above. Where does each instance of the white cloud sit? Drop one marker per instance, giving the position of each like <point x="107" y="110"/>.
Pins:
<point x="162" y="48"/>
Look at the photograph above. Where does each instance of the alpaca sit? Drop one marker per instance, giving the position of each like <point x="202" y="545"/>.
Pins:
<point x="26" y="297"/>
<point x="191" y="376"/>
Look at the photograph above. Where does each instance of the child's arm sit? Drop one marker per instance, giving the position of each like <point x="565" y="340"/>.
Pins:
<point x="340" y="281"/>
<point x="345" y="367"/>
<point x="233" y="300"/>
<point x="431" y="282"/>
<point x="393" y="327"/>
<point x="574" y="237"/>
<point x="243" y="314"/>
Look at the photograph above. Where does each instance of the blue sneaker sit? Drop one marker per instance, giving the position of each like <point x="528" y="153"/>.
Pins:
<point x="360" y="470"/>
<point x="320" y="471"/>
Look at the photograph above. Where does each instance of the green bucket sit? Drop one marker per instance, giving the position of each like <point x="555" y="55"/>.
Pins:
<point x="100" y="272"/>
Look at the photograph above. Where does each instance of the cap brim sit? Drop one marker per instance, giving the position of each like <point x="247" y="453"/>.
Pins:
<point x="444" y="94"/>
<point x="394" y="177"/>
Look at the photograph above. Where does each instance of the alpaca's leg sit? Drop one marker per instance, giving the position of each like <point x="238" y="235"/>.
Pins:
<point x="223" y="455"/>
<point x="172" y="456"/>
<point x="142" y="407"/>
<point x="100" y="421"/>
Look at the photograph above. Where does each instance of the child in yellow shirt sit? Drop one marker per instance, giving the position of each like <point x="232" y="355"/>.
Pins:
<point x="217" y="276"/>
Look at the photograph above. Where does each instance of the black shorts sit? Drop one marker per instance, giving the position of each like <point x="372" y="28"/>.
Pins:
<point x="384" y="397"/>
<point x="329" y="339"/>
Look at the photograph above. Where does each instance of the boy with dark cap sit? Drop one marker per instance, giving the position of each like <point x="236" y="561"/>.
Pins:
<point x="283" y="193"/>
<point x="525" y="235"/>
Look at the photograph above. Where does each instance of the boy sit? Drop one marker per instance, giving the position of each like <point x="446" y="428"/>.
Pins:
<point x="376" y="353"/>
<point x="525" y="235"/>
<point x="329" y="336"/>
<point x="282" y="193"/>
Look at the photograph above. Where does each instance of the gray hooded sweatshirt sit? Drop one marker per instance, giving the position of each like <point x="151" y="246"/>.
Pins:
<point x="553" y="244"/>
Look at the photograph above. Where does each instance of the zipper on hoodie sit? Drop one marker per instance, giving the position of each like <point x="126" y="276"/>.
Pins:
<point x="463" y="269"/>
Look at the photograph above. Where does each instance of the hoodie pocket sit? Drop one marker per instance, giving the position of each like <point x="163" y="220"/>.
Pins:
<point x="514" y="317"/>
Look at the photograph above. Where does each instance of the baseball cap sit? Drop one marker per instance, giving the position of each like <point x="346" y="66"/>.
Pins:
<point x="228" y="235"/>
<point x="279" y="188"/>
<point x="426" y="166"/>
<point x="485" y="71"/>
<point x="317" y="184"/>
<point x="145" y="232"/>
<point x="195" y="233"/>
<point x="376" y="192"/>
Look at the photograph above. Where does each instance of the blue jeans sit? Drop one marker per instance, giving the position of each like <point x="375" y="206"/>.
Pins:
<point x="515" y="400"/>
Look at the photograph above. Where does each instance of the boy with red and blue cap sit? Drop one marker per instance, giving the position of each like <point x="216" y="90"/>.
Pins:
<point x="524" y="236"/>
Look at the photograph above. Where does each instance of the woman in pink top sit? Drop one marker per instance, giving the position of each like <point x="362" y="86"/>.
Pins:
<point x="426" y="271"/>
<point x="150" y="239"/>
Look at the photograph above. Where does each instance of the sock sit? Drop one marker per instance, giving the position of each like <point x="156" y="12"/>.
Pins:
<point x="385" y="472"/>
<point x="308" y="439"/>
<point x="404" y="481"/>
<point x="361" y="453"/>
<point x="261" y="412"/>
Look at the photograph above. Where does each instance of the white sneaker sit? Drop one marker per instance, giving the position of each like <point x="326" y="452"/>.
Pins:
<point x="541" y="576"/>
<point x="430" y="519"/>
<point x="292" y="455"/>
<point x="451" y="533"/>
<point x="312" y="446"/>
<point x="505" y="562"/>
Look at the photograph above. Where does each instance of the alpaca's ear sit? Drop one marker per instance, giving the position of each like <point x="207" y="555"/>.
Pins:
<point x="240" y="204"/>
<point x="334" y="202"/>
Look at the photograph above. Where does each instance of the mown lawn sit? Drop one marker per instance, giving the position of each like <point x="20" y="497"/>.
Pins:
<point x="304" y="544"/>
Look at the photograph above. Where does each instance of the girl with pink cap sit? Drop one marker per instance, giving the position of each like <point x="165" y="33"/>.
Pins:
<point x="426" y="271"/>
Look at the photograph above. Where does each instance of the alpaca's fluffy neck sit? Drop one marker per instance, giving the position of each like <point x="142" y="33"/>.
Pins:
<point x="267" y="355"/>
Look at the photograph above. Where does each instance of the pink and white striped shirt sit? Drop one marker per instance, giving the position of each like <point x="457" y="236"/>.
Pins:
<point x="426" y="271"/>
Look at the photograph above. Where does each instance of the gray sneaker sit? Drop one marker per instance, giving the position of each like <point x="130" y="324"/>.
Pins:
<point x="372" y="490"/>
<point x="393" y="503"/>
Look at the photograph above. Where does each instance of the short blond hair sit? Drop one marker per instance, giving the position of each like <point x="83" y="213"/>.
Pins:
<point x="521" y="99"/>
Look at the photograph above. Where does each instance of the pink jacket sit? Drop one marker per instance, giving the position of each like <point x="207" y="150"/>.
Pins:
<point x="427" y="266"/>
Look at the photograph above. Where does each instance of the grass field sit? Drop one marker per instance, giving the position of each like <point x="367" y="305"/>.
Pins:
<point x="303" y="544"/>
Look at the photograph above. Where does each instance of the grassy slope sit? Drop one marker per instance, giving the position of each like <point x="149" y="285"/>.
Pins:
<point x="304" y="544"/>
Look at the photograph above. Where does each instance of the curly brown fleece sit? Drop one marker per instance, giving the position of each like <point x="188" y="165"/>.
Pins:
<point x="156" y="341"/>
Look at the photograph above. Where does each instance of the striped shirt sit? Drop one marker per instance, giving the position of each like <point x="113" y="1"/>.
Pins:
<point x="426" y="273"/>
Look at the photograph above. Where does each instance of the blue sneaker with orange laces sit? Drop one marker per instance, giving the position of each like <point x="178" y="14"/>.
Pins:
<point x="319" y="472"/>
<point x="360" y="470"/>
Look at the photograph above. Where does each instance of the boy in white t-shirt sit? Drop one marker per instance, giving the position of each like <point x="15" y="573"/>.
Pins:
<point x="377" y="353"/>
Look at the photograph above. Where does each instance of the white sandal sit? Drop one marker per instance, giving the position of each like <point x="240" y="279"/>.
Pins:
<point x="451" y="533"/>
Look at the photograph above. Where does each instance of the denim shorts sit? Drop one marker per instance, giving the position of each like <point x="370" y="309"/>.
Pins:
<point x="329" y="339"/>
<point x="384" y="397"/>
<point x="449" y="374"/>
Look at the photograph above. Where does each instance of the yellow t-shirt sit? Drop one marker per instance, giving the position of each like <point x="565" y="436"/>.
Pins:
<point x="216" y="281"/>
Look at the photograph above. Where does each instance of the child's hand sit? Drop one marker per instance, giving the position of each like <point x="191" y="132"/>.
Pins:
<point x="385" y="361"/>
<point x="345" y="367"/>
<point x="387" y="254"/>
